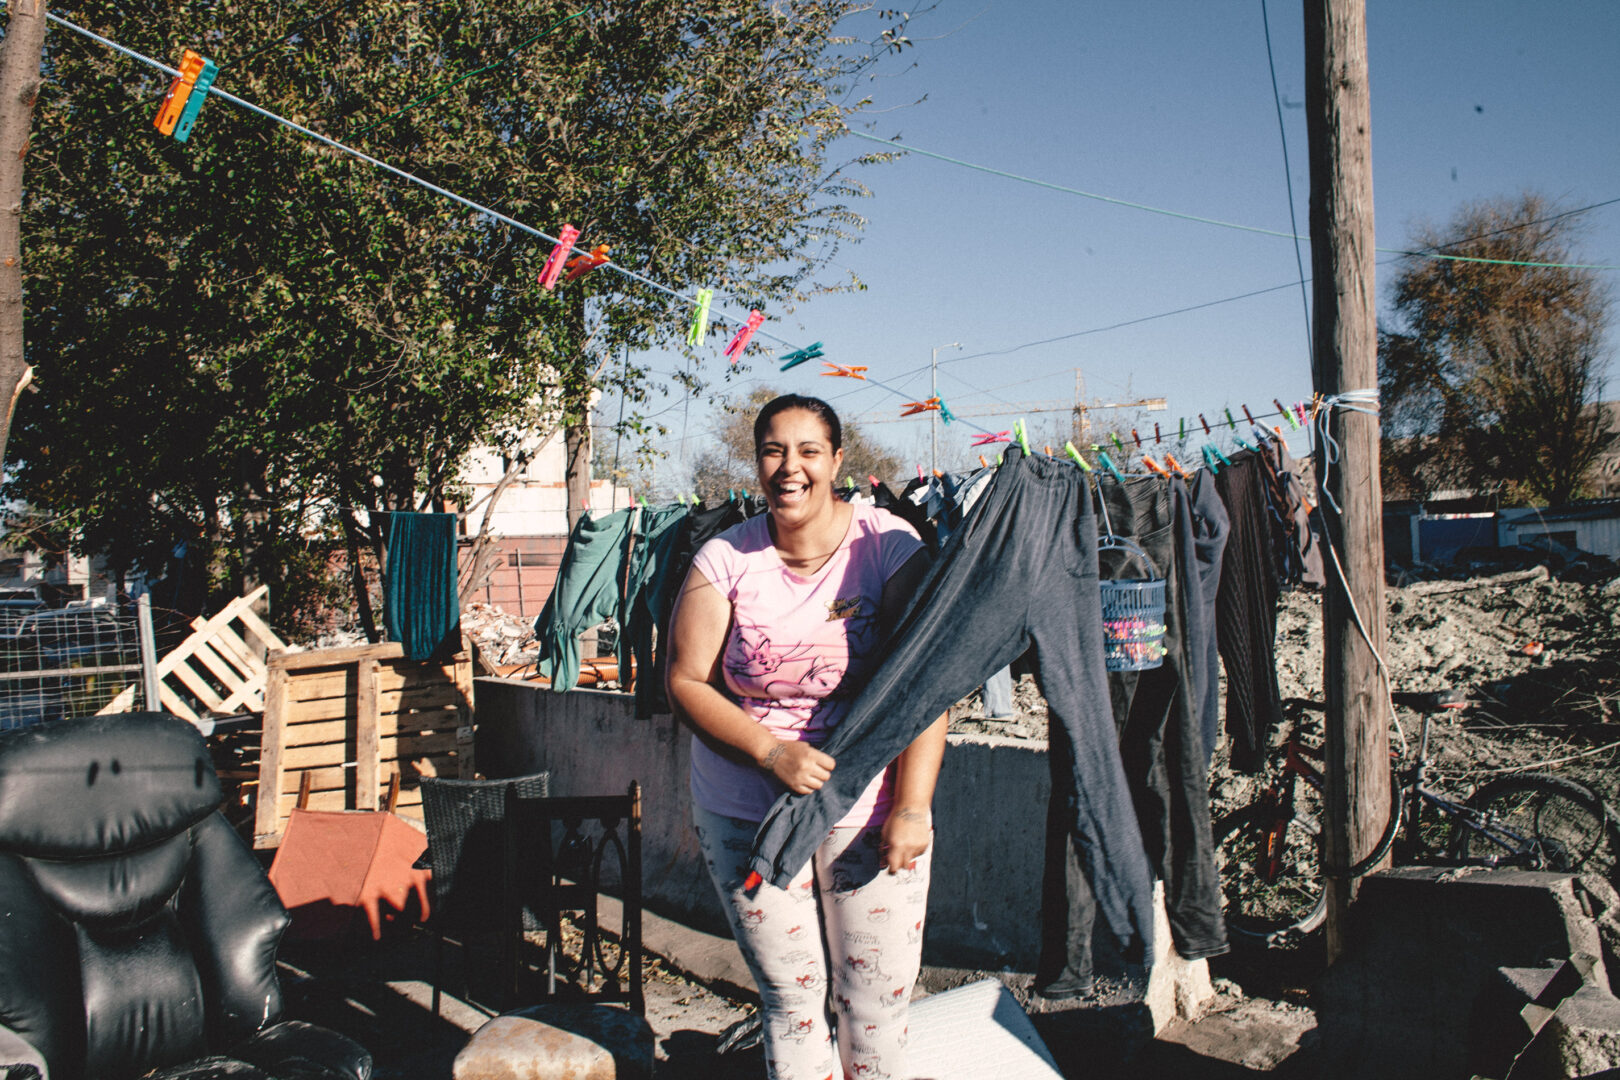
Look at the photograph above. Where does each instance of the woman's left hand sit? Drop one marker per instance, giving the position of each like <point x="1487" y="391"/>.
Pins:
<point x="906" y="835"/>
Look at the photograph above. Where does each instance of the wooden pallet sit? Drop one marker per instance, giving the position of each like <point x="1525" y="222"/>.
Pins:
<point x="353" y="719"/>
<point x="221" y="665"/>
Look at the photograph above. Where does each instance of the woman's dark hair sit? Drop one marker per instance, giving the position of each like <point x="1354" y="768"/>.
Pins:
<point x="835" y="430"/>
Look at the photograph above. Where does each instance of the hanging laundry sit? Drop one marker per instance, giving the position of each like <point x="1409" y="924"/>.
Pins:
<point x="1246" y="615"/>
<point x="586" y="593"/>
<point x="420" y="607"/>
<point x="1023" y="571"/>
<point x="1293" y="544"/>
<point x="657" y="534"/>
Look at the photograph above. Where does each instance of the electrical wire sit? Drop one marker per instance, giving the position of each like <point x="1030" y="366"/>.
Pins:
<point x="1288" y="177"/>
<point x="1204" y="220"/>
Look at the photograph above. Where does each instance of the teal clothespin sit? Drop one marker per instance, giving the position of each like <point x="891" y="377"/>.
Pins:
<point x="1224" y="459"/>
<point x="1078" y="460"/>
<point x="799" y="356"/>
<point x="700" y="318"/>
<point x="1108" y="463"/>
<point x="1022" y="434"/>
<point x="1209" y="458"/>
<point x="194" y="103"/>
<point x="1243" y="445"/>
<point x="945" y="414"/>
<point x="731" y="496"/>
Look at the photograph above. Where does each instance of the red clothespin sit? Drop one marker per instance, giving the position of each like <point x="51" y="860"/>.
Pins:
<point x="580" y="265"/>
<point x="1175" y="466"/>
<point x="915" y="407"/>
<point x="553" y="269"/>
<point x="1299" y="410"/>
<point x="1154" y="466"/>
<point x="744" y="332"/>
<point x="1201" y="420"/>
<point x="1137" y="437"/>
<point x="174" y="102"/>
<point x="1157" y="438"/>
<point x="846" y="372"/>
<point x="989" y="437"/>
<point x="1249" y="416"/>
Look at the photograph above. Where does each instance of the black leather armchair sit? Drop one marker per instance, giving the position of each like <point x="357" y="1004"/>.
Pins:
<point x="138" y="933"/>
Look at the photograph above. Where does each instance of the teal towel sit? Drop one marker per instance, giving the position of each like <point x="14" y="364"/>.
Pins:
<point x="420" y="606"/>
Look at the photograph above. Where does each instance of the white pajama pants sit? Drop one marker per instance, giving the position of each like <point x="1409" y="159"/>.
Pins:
<point x="844" y="925"/>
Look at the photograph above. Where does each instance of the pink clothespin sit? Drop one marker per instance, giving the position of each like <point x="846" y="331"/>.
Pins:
<point x="744" y="332"/>
<point x="920" y="475"/>
<point x="873" y="480"/>
<point x="987" y="438"/>
<point x="554" y="262"/>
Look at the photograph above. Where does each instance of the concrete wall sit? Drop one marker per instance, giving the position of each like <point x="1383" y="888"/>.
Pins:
<point x="989" y="814"/>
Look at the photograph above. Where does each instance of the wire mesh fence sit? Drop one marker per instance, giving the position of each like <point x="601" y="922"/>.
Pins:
<point x="71" y="661"/>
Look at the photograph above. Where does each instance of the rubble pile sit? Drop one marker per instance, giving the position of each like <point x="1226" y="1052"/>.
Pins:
<point x="503" y="639"/>
<point x="1537" y="650"/>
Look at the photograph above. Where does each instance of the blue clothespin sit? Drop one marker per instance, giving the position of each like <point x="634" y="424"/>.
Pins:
<point x="1108" y="463"/>
<point x="194" y="103"/>
<point x="799" y="356"/>
<point x="1078" y="460"/>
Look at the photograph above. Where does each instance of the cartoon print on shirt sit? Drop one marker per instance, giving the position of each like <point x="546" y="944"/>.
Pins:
<point x="750" y="654"/>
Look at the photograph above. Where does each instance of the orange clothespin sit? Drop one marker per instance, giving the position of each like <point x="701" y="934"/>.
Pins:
<point x="553" y="269"/>
<point x="983" y="464"/>
<point x="1154" y="466"/>
<point x="580" y="265"/>
<point x="1278" y="429"/>
<point x="915" y="407"/>
<point x="846" y="372"/>
<point x="1175" y="466"/>
<point x="1201" y="420"/>
<point x="938" y="474"/>
<point x="1048" y="450"/>
<point x="174" y="102"/>
<point x="739" y="343"/>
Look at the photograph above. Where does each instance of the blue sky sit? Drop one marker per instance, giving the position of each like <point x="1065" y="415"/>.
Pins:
<point x="1170" y="105"/>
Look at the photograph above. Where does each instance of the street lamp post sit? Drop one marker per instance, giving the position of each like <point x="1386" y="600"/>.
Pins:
<point x="933" y="416"/>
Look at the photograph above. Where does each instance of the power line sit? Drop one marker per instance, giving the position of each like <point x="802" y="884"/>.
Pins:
<point x="1288" y="177"/>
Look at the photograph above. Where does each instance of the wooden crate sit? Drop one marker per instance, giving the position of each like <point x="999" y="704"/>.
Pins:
<point x="353" y="719"/>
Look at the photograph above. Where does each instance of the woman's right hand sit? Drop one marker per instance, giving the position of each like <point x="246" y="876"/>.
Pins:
<point x="798" y="765"/>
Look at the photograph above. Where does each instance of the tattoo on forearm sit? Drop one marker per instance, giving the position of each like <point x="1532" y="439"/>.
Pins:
<point x="770" y="759"/>
<point x="912" y="815"/>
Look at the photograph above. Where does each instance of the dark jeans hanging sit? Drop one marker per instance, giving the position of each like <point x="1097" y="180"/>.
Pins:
<point x="1022" y="570"/>
<point x="1160" y="727"/>
<point x="1246" y="615"/>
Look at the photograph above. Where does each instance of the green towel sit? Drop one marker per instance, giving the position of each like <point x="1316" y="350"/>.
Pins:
<point x="420" y="606"/>
<point x="586" y="593"/>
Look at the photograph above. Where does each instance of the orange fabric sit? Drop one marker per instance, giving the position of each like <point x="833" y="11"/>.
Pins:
<point x="331" y="864"/>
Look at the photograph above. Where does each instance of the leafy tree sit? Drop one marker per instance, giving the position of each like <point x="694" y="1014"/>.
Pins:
<point x="1490" y="372"/>
<point x="730" y="466"/>
<point x="251" y="340"/>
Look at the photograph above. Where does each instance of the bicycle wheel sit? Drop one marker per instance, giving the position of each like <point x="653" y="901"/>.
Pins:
<point x="1262" y="909"/>
<point x="1536" y="821"/>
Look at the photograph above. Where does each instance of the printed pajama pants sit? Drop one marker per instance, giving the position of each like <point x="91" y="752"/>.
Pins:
<point x="846" y="903"/>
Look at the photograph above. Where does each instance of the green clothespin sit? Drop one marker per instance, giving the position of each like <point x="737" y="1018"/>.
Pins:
<point x="1022" y="434"/>
<point x="849" y="482"/>
<point x="1231" y="423"/>
<point x="1078" y="460"/>
<point x="700" y="318"/>
<point x="799" y="356"/>
<point x="1108" y="463"/>
<point x="1113" y="437"/>
<point x="998" y="459"/>
<point x="1183" y="436"/>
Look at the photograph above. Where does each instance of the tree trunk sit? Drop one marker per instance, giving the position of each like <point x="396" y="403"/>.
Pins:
<point x="357" y="576"/>
<point x="19" y="89"/>
<point x="1345" y="341"/>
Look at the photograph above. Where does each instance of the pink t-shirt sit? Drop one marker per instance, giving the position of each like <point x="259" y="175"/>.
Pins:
<point x="799" y="649"/>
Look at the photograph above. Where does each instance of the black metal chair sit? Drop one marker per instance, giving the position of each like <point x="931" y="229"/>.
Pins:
<point x="466" y="852"/>
<point x="571" y="879"/>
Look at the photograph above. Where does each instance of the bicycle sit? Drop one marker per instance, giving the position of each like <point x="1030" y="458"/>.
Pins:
<point x="1268" y="853"/>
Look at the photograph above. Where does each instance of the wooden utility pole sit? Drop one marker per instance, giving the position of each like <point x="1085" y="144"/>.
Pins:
<point x="19" y="89"/>
<point x="1345" y="343"/>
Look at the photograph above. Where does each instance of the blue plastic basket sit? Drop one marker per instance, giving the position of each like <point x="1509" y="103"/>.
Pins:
<point x="1133" y="615"/>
